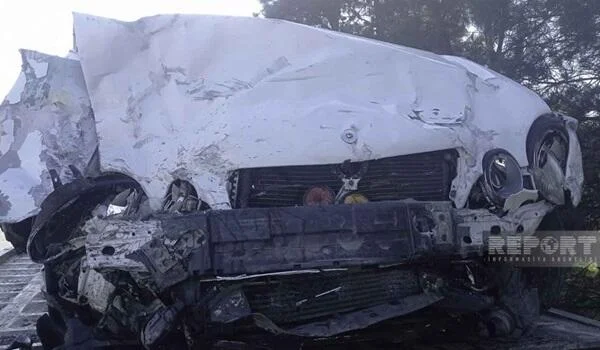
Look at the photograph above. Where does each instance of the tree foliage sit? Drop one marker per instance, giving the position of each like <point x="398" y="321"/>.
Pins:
<point x="552" y="46"/>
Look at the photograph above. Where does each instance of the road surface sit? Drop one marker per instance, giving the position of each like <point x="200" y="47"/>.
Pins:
<point x="21" y="300"/>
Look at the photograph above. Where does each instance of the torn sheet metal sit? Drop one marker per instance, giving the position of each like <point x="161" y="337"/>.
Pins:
<point x="46" y="123"/>
<point x="195" y="97"/>
<point x="94" y="287"/>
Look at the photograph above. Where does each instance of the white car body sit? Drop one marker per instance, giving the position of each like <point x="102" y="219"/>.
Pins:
<point x="140" y="154"/>
<point x="196" y="97"/>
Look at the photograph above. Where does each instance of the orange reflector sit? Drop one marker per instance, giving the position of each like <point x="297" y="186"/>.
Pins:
<point x="355" y="198"/>
<point x="319" y="195"/>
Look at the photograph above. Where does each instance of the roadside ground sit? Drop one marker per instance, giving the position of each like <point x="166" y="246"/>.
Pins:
<point x="21" y="298"/>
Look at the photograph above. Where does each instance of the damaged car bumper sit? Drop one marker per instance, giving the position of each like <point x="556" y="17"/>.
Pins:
<point x="288" y="265"/>
<point x="267" y="240"/>
<point x="301" y="271"/>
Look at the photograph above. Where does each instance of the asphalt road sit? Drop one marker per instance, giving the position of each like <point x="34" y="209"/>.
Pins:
<point x="21" y="299"/>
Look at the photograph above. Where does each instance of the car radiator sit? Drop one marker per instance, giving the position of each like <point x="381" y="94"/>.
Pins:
<point x="423" y="176"/>
<point x="297" y="298"/>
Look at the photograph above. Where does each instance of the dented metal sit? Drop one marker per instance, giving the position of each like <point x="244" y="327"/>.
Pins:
<point x="136" y="154"/>
<point x="230" y="128"/>
<point x="216" y="114"/>
<point x="256" y="241"/>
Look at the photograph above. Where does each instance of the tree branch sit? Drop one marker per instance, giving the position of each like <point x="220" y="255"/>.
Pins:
<point x="357" y="15"/>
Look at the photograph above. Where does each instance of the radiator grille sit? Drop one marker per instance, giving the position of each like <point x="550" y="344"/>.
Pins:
<point x="295" y="299"/>
<point x="424" y="176"/>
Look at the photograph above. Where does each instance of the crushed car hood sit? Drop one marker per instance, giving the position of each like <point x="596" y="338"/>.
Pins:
<point x="195" y="97"/>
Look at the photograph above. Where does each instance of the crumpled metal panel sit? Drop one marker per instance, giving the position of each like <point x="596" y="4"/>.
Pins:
<point x="195" y="97"/>
<point x="247" y="93"/>
<point x="46" y="123"/>
<point x="256" y="241"/>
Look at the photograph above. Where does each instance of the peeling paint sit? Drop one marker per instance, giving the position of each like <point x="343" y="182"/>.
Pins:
<point x="6" y="135"/>
<point x="249" y="95"/>
<point x="50" y="126"/>
<point x="14" y="95"/>
<point x="40" y="68"/>
<point x="250" y="80"/>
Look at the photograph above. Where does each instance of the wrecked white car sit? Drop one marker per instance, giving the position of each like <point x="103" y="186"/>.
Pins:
<point x="188" y="176"/>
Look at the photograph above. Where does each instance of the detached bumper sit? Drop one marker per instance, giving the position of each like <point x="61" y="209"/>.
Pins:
<point x="253" y="241"/>
<point x="288" y="240"/>
<point x="291" y="267"/>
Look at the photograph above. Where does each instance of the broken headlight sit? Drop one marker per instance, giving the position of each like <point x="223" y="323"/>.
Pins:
<point x="501" y="176"/>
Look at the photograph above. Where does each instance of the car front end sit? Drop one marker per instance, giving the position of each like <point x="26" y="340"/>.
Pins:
<point x="307" y="187"/>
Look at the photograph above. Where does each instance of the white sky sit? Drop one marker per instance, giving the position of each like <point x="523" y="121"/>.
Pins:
<point x="46" y="25"/>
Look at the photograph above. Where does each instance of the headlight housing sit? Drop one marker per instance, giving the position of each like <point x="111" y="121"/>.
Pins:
<point x="502" y="176"/>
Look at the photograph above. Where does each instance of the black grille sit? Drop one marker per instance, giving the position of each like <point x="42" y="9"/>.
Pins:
<point x="423" y="176"/>
<point x="301" y="297"/>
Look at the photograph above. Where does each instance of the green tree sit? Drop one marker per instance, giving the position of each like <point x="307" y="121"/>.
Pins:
<point x="551" y="46"/>
<point x="433" y="25"/>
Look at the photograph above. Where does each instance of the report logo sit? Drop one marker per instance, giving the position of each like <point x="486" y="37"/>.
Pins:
<point x="546" y="248"/>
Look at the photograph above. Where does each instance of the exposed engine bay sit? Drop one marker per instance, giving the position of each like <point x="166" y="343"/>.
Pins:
<point x="181" y="201"/>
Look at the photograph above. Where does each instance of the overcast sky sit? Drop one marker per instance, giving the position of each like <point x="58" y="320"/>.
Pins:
<point x="46" y="25"/>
